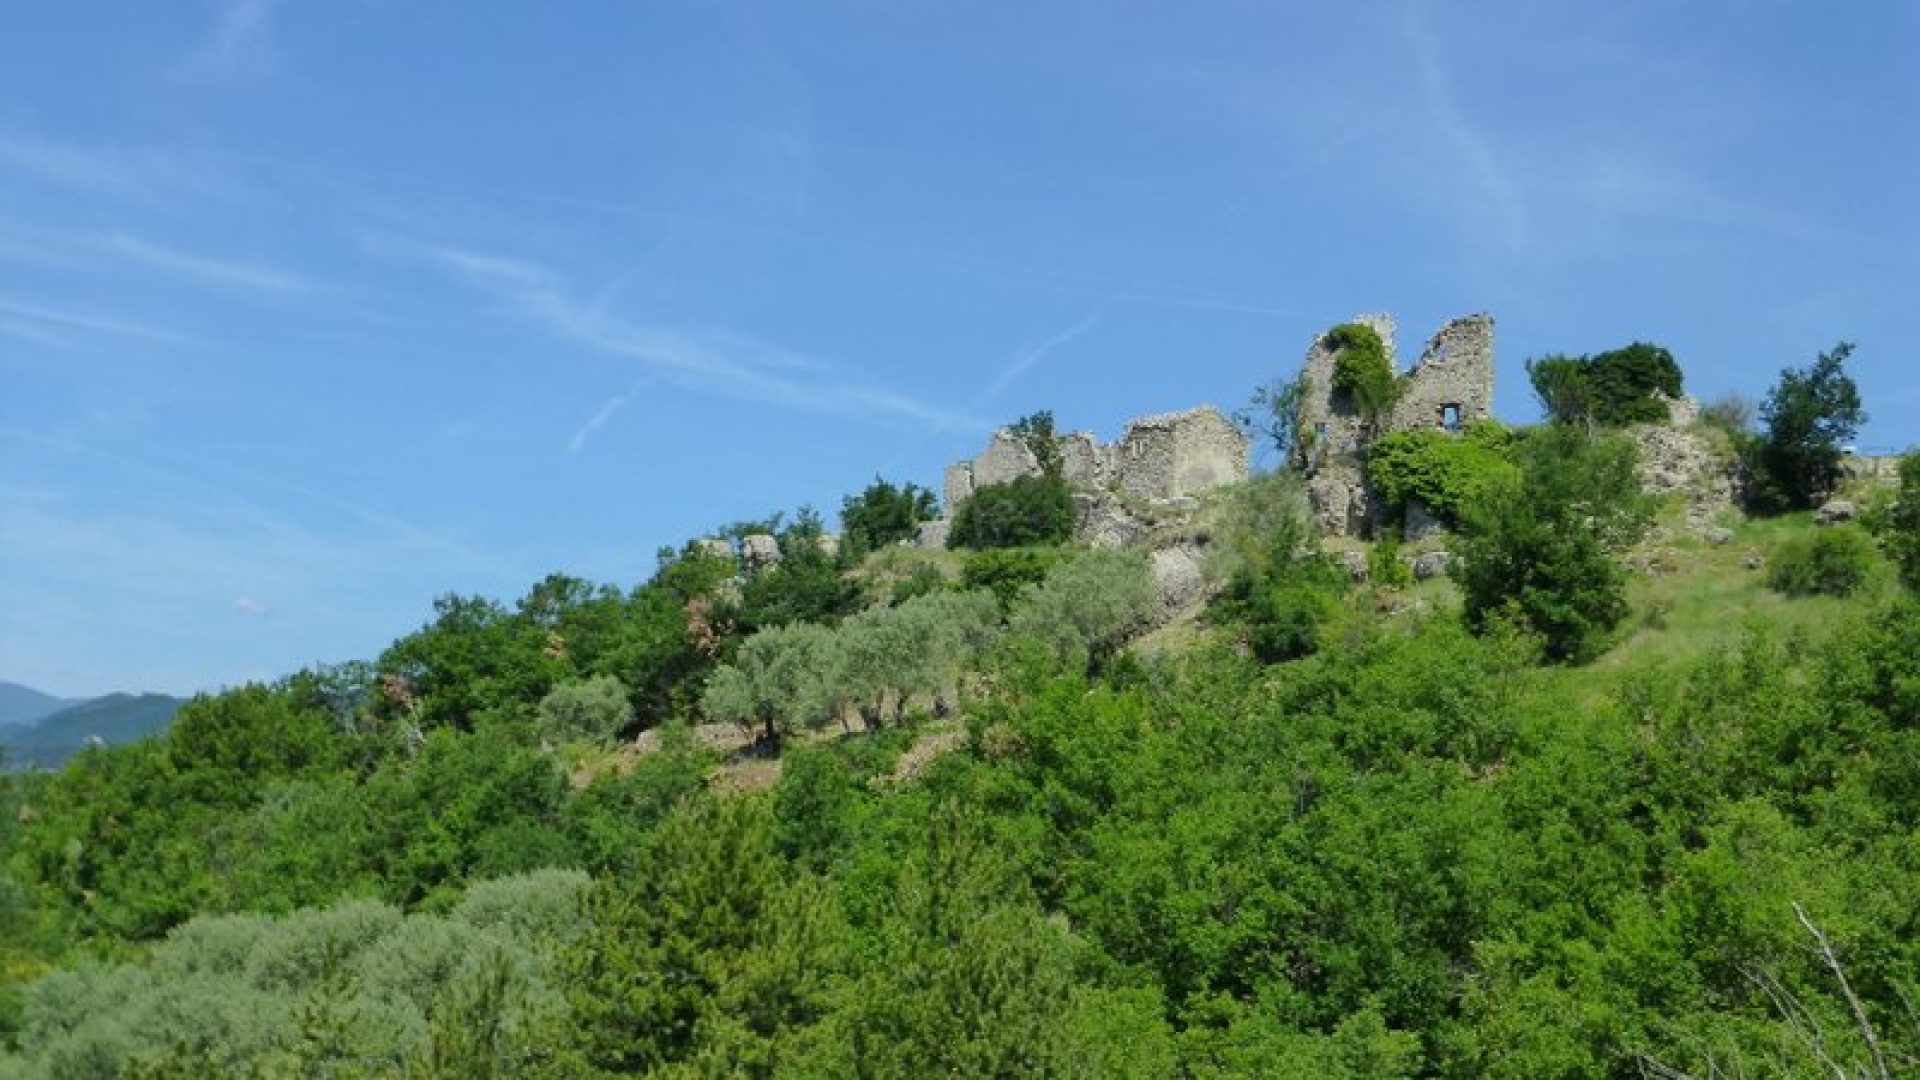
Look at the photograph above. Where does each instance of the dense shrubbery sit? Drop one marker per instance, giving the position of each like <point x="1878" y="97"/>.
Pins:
<point x="1900" y="529"/>
<point x="1538" y="546"/>
<point x="1025" y="511"/>
<point x="1277" y="587"/>
<point x="1610" y="389"/>
<point x="356" y="989"/>
<point x="1008" y="571"/>
<point x="1445" y="472"/>
<point x="1828" y="562"/>
<point x="1413" y="855"/>
<point x="883" y="515"/>
<point x="1409" y="850"/>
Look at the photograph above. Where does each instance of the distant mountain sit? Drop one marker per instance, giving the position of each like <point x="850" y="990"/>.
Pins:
<point x="23" y="704"/>
<point x="114" y="719"/>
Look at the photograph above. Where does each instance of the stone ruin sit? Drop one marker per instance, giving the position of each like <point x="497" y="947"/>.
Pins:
<point x="1120" y="489"/>
<point x="1450" y="387"/>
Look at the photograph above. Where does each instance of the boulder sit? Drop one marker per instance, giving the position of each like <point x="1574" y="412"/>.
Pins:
<point x="1717" y="536"/>
<point x="1102" y="521"/>
<point x="713" y="547"/>
<point x="1420" y="524"/>
<point x="1355" y="563"/>
<point x="1835" y="511"/>
<point x="760" y="550"/>
<point x="1177" y="575"/>
<point x="1433" y="564"/>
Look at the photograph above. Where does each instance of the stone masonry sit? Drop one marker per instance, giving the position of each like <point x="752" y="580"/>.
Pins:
<point x="1161" y="460"/>
<point x="1450" y="387"/>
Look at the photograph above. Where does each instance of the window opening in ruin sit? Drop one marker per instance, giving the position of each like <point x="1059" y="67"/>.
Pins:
<point x="1450" y="417"/>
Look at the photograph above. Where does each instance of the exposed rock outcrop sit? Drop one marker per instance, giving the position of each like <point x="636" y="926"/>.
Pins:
<point x="1178" y="576"/>
<point x="1677" y="462"/>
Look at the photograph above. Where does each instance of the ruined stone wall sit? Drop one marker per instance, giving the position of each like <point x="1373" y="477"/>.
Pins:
<point x="1329" y="426"/>
<point x="1450" y="387"/>
<point x="1452" y="384"/>
<point x="1144" y="460"/>
<point x="1005" y="459"/>
<point x="1873" y="470"/>
<point x="1162" y="458"/>
<point x="1084" y="462"/>
<point x="959" y="485"/>
<point x="1202" y="450"/>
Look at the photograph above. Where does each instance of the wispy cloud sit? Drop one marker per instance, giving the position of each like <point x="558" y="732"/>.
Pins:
<point x="601" y="416"/>
<point x="131" y="172"/>
<point x="205" y="268"/>
<point x="1033" y="354"/>
<point x="1489" y="189"/>
<point x="241" y="43"/>
<point x="719" y="362"/>
<point x="31" y="314"/>
<point x="250" y="607"/>
<point x="221" y="480"/>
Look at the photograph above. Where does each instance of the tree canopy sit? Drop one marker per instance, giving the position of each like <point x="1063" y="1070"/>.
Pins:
<point x="1807" y="418"/>
<point x="1611" y="389"/>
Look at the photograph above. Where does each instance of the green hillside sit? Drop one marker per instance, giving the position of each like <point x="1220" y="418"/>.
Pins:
<point x="1617" y="794"/>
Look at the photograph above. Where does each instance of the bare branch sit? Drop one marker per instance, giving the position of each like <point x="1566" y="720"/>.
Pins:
<point x="1846" y="989"/>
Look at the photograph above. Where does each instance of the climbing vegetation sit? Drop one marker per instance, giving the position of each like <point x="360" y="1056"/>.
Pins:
<point x="1361" y="370"/>
<point x="1445" y="472"/>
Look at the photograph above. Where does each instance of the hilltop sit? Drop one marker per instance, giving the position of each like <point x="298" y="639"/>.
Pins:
<point x="1453" y="749"/>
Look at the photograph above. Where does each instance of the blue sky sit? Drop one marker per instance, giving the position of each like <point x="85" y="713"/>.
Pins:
<point x="310" y="311"/>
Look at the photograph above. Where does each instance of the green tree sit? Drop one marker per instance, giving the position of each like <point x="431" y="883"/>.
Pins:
<point x="1901" y="531"/>
<point x="1610" y="389"/>
<point x="806" y="585"/>
<point x="1539" y="547"/>
<point x="1035" y="431"/>
<point x="595" y="709"/>
<point x="779" y="681"/>
<point x="1026" y="511"/>
<point x="1628" y="384"/>
<point x="1274" y="413"/>
<point x="1085" y="609"/>
<point x="474" y="656"/>
<point x="1808" y="416"/>
<point x="883" y="515"/>
<point x="1283" y="592"/>
<point x="1560" y="383"/>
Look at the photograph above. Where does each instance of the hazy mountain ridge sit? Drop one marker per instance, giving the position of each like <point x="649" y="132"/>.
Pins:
<point x="24" y="705"/>
<point x="48" y="739"/>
